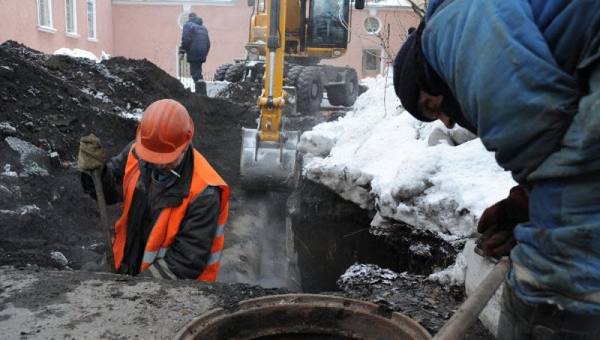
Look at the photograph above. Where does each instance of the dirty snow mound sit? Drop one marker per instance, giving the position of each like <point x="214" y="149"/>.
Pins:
<point x="377" y="156"/>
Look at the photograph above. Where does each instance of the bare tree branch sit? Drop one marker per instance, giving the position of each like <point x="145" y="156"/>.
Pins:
<point x="418" y="9"/>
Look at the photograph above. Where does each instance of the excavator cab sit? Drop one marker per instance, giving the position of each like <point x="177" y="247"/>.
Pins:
<point x="328" y="24"/>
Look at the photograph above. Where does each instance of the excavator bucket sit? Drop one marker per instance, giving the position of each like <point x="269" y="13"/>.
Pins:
<point x="268" y="165"/>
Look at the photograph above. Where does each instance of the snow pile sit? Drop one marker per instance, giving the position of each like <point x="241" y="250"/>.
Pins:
<point x="377" y="156"/>
<point x="453" y="275"/>
<point x="213" y="88"/>
<point x="77" y="53"/>
<point x="366" y="274"/>
<point x="30" y="156"/>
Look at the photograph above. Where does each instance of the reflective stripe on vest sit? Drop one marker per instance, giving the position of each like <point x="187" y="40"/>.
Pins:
<point x="169" y="220"/>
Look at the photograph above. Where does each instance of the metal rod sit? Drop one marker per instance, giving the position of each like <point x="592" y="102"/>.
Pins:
<point x="106" y="227"/>
<point x="467" y="313"/>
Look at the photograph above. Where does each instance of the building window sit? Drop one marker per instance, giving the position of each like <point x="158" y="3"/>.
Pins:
<point x="371" y="60"/>
<point x="71" y="17"/>
<point x="91" y="19"/>
<point x="372" y="25"/>
<point x="45" y="14"/>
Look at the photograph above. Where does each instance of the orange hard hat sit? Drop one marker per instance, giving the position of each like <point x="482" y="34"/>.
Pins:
<point x="165" y="130"/>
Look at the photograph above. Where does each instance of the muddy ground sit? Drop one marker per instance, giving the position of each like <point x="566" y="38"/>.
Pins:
<point x="46" y="221"/>
<point x="36" y="304"/>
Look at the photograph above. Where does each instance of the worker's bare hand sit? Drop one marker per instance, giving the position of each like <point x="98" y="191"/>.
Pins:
<point x="498" y="222"/>
<point x="91" y="154"/>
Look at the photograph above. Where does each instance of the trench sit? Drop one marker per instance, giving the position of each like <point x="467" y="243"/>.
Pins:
<point x="305" y="240"/>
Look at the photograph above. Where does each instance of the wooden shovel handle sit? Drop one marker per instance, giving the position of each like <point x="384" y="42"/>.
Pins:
<point x="106" y="227"/>
<point x="467" y="313"/>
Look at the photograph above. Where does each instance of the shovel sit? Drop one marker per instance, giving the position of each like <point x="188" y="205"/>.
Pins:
<point x="467" y="313"/>
<point x="106" y="227"/>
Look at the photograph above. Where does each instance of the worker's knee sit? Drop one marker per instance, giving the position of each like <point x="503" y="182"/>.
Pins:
<point x="520" y="321"/>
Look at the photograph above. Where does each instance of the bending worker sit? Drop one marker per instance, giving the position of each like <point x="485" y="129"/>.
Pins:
<point x="175" y="204"/>
<point x="524" y="76"/>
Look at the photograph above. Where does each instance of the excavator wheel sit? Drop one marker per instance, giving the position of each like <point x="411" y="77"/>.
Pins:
<point x="344" y="95"/>
<point x="293" y="74"/>
<point x="309" y="90"/>
<point x="221" y="71"/>
<point x="235" y="73"/>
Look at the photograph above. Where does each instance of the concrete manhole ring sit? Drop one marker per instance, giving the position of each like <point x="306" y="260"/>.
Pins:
<point x="303" y="316"/>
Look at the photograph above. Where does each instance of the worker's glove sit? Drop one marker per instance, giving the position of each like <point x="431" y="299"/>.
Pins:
<point x="498" y="222"/>
<point x="91" y="154"/>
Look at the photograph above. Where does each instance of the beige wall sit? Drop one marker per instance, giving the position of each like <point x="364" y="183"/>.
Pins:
<point x="152" y="32"/>
<point x="399" y="21"/>
<point x="149" y="32"/>
<point x="18" y="21"/>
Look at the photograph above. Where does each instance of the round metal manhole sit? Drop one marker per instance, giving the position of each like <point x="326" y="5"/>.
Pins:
<point x="303" y="316"/>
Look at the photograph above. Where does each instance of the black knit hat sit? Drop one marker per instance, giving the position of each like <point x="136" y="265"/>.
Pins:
<point x="406" y="82"/>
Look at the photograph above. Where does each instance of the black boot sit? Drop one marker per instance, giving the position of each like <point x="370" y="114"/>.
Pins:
<point x="201" y="88"/>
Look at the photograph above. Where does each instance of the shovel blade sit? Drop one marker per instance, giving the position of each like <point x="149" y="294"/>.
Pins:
<point x="268" y="166"/>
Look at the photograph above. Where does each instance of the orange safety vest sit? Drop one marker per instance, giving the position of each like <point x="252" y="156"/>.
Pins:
<point x="169" y="220"/>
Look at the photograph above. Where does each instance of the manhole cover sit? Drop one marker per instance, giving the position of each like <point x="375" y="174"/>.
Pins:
<point x="303" y="316"/>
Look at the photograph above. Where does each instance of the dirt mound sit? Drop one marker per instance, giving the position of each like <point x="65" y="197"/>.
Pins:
<point x="46" y="104"/>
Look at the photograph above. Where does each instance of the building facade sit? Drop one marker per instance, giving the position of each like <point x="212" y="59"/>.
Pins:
<point x="152" y="29"/>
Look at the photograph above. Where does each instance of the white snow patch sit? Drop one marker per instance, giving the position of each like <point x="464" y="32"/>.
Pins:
<point x="8" y="172"/>
<point x="367" y="274"/>
<point x="77" y="53"/>
<point x="30" y="155"/>
<point x="97" y="94"/>
<point x="59" y="258"/>
<point x="420" y="249"/>
<point x="135" y="114"/>
<point x="28" y="210"/>
<point x="23" y="210"/>
<point x="213" y="88"/>
<point x="377" y="155"/>
<point x="7" y="128"/>
<point x="104" y="56"/>
<point x="453" y="275"/>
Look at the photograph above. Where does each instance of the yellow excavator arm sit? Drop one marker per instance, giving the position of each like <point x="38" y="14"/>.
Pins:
<point x="272" y="99"/>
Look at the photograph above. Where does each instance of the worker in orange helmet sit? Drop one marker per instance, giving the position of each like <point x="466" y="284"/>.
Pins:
<point x="175" y="204"/>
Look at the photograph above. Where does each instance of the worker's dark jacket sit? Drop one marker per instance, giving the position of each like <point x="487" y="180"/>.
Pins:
<point x="195" y="41"/>
<point x="190" y="252"/>
<point x="527" y="75"/>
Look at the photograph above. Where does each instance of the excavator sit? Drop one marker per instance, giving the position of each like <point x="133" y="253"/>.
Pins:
<point x="287" y="40"/>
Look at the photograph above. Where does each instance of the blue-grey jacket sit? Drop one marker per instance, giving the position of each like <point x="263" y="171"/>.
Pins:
<point x="521" y="71"/>
<point x="518" y="68"/>
<point x="195" y="41"/>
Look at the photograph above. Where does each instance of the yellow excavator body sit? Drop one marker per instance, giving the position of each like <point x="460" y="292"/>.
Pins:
<point x="303" y="31"/>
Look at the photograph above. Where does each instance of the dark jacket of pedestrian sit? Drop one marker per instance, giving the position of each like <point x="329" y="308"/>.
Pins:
<point x="195" y="40"/>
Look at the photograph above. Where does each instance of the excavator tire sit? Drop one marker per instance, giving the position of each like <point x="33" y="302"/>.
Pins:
<point x="221" y="71"/>
<point x="293" y="74"/>
<point x="235" y="73"/>
<point x="309" y="90"/>
<point x="344" y="95"/>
